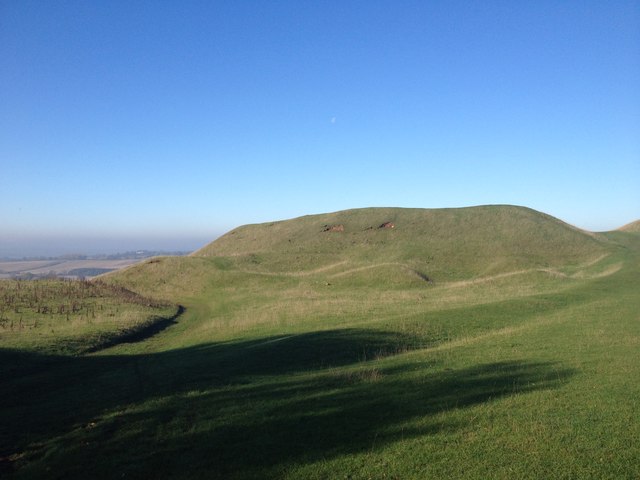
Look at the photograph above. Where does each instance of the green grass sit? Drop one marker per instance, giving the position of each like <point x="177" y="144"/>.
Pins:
<point x="445" y="244"/>
<point x="348" y="364"/>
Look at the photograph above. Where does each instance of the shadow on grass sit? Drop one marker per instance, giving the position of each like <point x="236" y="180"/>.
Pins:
<point x="234" y="410"/>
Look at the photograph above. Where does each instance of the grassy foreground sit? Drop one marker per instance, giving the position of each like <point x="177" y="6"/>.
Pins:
<point x="420" y="361"/>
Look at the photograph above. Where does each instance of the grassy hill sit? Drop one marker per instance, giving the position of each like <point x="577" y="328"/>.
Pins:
<point x="633" y="227"/>
<point x="488" y="342"/>
<point x="258" y="277"/>
<point x="352" y="248"/>
<point x="444" y="243"/>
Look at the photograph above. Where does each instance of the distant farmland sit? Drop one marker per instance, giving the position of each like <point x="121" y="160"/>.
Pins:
<point x="79" y="267"/>
<point x="61" y="268"/>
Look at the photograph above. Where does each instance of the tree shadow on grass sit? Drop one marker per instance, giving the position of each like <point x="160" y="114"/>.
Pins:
<point x="234" y="410"/>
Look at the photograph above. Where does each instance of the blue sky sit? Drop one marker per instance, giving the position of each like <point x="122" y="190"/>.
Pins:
<point x="166" y="123"/>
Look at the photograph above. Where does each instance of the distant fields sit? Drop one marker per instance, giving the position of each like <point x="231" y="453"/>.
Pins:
<point x="494" y="342"/>
<point x="68" y="268"/>
<point x="75" y="266"/>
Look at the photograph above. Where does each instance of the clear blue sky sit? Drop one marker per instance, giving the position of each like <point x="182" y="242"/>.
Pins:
<point x="166" y="123"/>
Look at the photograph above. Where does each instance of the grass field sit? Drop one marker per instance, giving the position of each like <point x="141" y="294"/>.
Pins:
<point x="494" y="342"/>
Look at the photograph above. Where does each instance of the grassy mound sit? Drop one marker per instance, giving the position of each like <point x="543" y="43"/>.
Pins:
<point x="301" y="273"/>
<point x="384" y="245"/>
<point x="445" y="243"/>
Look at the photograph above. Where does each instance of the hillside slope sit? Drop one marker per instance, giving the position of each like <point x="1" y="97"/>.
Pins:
<point x="361" y="264"/>
<point x="441" y="243"/>
<point x="633" y="227"/>
<point x="379" y="251"/>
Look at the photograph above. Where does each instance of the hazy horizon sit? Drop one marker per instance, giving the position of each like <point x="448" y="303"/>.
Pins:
<point x="21" y="246"/>
<point x="25" y="247"/>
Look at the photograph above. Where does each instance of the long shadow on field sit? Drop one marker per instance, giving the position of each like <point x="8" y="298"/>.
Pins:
<point x="233" y="410"/>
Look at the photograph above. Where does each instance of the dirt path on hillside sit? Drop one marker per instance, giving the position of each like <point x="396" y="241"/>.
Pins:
<point x="454" y="284"/>
<point x="550" y="271"/>
<point x="369" y="267"/>
<point x="304" y="273"/>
